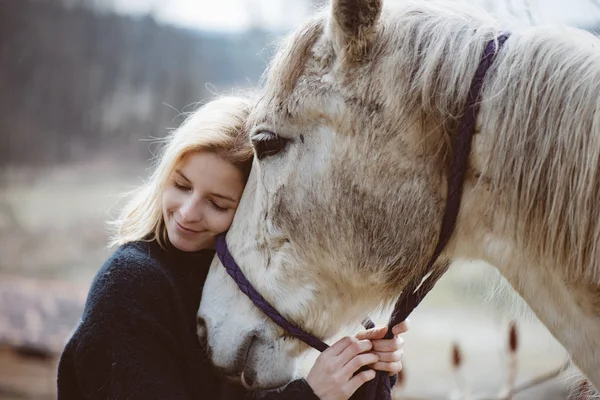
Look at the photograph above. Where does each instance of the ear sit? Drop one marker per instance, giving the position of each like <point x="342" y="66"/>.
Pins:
<point x="352" y="25"/>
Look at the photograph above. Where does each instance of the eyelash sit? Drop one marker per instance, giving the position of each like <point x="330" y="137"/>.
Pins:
<point x="184" y="188"/>
<point x="217" y="207"/>
<point x="181" y="187"/>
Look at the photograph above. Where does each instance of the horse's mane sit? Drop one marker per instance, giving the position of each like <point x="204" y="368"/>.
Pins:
<point x="540" y="109"/>
<point x="545" y="156"/>
<point x="540" y="102"/>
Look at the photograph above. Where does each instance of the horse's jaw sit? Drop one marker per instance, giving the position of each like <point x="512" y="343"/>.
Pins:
<point x="245" y="344"/>
<point x="240" y="342"/>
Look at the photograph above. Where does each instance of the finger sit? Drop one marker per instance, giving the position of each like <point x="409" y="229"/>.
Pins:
<point x="388" y="344"/>
<point x="389" y="356"/>
<point x="357" y="347"/>
<point x="358" y="362"/>
<point x="357" y="381"/>
<point x="391" y="367"/>
<point x="373" y="333"/>
<point x="338" y="347"/>
<point x="401" y="327"/>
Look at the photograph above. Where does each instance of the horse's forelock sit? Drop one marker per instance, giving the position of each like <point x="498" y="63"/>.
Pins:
<point x="290" y="60"/>
<point x="412" y="48"/>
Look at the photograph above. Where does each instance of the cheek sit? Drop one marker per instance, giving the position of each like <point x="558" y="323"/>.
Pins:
<point x="219" y="221"/>
<point x="170" y="201"/>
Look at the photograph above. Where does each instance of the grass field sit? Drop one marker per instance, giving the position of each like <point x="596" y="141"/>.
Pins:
<point x="53" y="222"/>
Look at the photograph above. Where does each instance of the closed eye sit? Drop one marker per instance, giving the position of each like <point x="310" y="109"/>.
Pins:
<point x="181" y="187"/>
<point x="267" y="144"/>
<point x="217" y="207"/>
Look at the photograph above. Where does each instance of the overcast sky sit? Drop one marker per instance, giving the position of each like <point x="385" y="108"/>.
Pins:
<point x="237" y="15"/>
<point x="229" y="15"/>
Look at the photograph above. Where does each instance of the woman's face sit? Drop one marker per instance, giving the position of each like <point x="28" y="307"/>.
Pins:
<point x="200" y="200"/>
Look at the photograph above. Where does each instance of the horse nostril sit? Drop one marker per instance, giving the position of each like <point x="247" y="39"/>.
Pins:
<point x="248" y="375"/>
<point x="248" y="378"/>
<point x="200" y="327"/>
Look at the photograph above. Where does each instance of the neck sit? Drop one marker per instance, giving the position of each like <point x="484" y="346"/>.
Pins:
<point x="537" y="159"/>
<point x="529" y="207"/>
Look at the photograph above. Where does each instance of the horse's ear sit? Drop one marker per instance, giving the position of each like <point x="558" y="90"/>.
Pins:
<point x="352" y="25"/>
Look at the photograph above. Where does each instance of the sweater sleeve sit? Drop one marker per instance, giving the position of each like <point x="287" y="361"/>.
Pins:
<point x="126" y="345"/>
<point x="300" y="390"/>
<point x="296" y="390"/>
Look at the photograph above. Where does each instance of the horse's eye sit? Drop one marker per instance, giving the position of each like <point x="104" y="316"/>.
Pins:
<point x="267" y="144"/>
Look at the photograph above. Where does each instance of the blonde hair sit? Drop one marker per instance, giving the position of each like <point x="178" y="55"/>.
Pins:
<point x="217" y="127"/>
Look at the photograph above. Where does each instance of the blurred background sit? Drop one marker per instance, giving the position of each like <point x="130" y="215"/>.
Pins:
<point x="85" y="87"/>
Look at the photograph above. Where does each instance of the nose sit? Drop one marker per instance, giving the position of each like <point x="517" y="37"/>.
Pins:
<point x="191" y="210"/>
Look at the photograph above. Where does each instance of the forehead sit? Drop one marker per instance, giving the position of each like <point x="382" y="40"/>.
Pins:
<point x="293" y="77"/>
<point x="305" y="84"/>
<point x="208" y="169"/>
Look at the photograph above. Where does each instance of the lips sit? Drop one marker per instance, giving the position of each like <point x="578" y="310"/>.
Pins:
<point x="188" y="230"/>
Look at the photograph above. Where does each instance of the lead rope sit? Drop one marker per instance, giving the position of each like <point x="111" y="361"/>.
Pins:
<point x="379" y="388"/>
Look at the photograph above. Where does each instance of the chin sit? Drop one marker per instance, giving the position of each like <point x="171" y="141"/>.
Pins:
<point x="191" y="246"/>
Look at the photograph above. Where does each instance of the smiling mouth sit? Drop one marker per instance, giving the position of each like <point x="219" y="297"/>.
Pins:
<point x="183" y="228"/>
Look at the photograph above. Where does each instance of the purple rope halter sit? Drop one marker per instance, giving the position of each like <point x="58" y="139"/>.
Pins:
<point x="380" y="388"/>
<point x="246" y="287"/>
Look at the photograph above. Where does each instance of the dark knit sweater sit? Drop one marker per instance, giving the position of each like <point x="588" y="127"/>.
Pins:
<point x="137" y="336"/>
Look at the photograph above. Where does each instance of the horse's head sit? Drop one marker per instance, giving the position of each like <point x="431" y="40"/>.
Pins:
<point x="344" y="202"/>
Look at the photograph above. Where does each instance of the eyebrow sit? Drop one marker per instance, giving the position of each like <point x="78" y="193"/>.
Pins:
<point x="213" y="194"/>
<point x="183" y="176"/>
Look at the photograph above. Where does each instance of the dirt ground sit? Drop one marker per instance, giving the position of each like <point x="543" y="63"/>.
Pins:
<point x="52" y="227"/>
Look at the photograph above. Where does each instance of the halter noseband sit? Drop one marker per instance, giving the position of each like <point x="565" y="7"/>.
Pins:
<point x="379" y="388"/>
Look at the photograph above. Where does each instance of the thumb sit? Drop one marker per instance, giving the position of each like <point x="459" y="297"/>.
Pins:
<point x="372" y="334"/>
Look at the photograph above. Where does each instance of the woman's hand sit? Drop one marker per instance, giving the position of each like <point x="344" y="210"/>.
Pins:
<point x="389" y="351"/>
<point x="332" y="376"/>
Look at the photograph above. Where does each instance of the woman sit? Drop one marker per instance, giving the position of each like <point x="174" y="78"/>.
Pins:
<point x="137" y="337"/>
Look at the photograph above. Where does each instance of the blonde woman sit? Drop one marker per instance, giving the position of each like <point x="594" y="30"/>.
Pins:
<point x="137" y="336"/>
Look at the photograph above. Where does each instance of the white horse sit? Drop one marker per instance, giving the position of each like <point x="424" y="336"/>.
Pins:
<point x="353" y="140"/>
